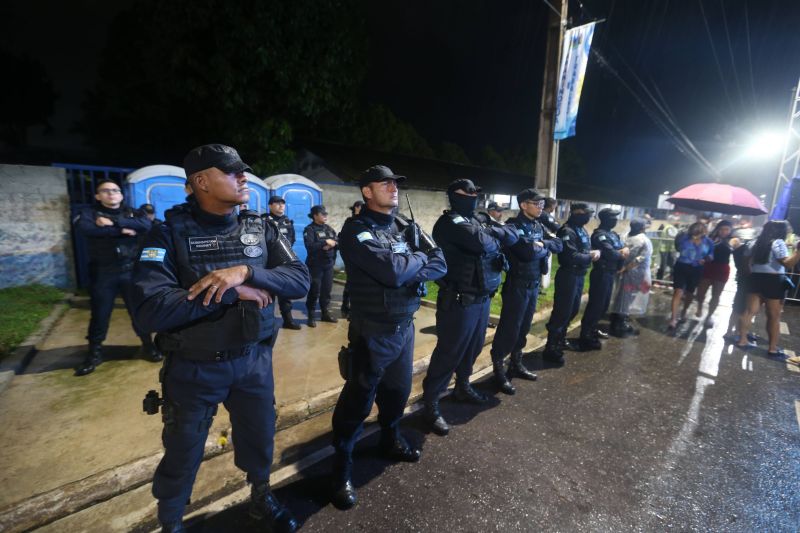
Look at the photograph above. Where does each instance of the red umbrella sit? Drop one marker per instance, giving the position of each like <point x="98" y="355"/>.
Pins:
<point x="719" y="198"/>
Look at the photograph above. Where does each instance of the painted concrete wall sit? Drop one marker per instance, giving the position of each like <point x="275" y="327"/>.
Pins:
<point x="428" y="205"/>
<point x="35" y="242"/>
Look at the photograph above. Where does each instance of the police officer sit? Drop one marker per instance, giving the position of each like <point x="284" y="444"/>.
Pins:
<point x="574" y="260"/>
<point x="112" y="233"/>
<point x="277" y="213"/>
<point x="355" y="209"/>
<point x="613" y="253"/>
<point x="493" y="215"/>
<point x="521" y="288"/>
<point x="320" y="241"/>
<point x="150" y="212"/>
<point x="386" y="273"/>
<point x="475" y="263"/>
<point x="547" y="219"/>
<point x="206" y="281"/>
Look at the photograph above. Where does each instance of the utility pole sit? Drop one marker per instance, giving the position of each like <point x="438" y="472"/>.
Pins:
<point x="547" y="147"/>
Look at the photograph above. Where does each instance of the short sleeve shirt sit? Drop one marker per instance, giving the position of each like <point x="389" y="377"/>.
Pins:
<point x="773" y="266"/>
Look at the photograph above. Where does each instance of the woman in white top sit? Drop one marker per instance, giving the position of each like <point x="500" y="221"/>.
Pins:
<point x="768" y="283"/>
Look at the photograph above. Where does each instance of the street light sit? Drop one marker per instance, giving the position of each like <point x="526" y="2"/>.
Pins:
<point x="765" y="145"/>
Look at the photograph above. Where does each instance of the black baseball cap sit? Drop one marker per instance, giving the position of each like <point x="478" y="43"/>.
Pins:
<point x="378" y="173"/>
<point x="357" y="203"/>
<point x="574" y="206"/>
<point x="463" y="184"/>
<point x="276" y="200"/>
<point x="494" y="207"/>
<point x="318" y="209"/>
<point x="529" y="194"/>
<point x="220" y="156"/>
<point x="607" y="212"/>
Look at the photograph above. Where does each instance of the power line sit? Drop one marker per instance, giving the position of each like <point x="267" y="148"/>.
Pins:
<point x="714" y="53"/>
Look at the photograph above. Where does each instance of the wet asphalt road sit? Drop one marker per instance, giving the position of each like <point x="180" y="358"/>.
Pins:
<point x="654" y="433"/>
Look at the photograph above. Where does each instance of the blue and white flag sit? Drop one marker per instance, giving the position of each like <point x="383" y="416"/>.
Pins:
<point x="575" y="54"/>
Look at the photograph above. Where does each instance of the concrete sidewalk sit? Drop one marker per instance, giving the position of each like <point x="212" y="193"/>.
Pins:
<point x="72" y="442"/>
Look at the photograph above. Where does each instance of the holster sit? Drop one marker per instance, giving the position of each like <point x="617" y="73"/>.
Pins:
<point x="346" y="362"/>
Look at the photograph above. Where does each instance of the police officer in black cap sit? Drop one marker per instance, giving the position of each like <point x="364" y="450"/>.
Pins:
<point x="493" y="215"/>
<point x="112" y="233"/>
<point x="355" y="209"/>
<point x="521" y="288"/>
<point x="475" y="264"/>
<point x="386" y="275"/>
<point x="277" y="213"/>
<point x="320" y="241"/>
<point x="206" y="281"/>
<point x="601" y="281"/>
<point x="574" y="260"/>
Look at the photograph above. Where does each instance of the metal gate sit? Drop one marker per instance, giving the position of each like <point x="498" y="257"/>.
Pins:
<point x="81" y="182"/>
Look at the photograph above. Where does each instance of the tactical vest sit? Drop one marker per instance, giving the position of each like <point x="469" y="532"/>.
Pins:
<point x="616" y="243"/>
<point x="522" y="272"/>
<point x="285" y="226"/>
<point x="479" y="275"/>
<point x="370" y="299"/>
<point x="197" y="254"/>
<point x="120" y="252"/>
<point x="582" y="243"/>
<point x="321" y="258"/>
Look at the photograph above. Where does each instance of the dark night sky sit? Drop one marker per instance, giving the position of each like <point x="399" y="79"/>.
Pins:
<point x="470" y="72"/>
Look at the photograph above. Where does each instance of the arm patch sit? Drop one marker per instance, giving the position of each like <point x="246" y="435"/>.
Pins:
<point x="153" y="254"/>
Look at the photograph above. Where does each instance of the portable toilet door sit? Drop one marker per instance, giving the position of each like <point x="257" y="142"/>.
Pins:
<point x="300" y="194"/>
<point x="163" y="186"/>
<point x="259" y="193"/>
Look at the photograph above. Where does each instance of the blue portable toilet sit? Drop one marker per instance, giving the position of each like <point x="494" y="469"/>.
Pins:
<point x="300" y="194"/>
<point x="164" y="186"/>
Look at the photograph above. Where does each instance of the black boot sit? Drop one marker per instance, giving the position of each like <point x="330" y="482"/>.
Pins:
<point x="149" y="350"/>
<point x="265" y="507"/>
<point x="615" y="327"/>
<point x="465" y="392"/>
<point x="93" y="359"/>
<point x="311" y="322"/>
<point x="177" y="527"/>
<point x="552" y="352"/>
<point x="288" y="321"/>
<point x="435" y="420"/>
<point x="517" y="369"/>
<point x="627" y="328"/>
<point x="326" y="317"/>
<point x="395" y="447"/>
<point x="568" y="344"/>
<point x="590" y="343"/>
<point x="500" y="378"/>
<point x="344" y="493"/>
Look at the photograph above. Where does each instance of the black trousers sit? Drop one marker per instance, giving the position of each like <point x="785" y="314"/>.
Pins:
<point x="321" y="285"/>
<point x="601" y="285"/>
<point x="566" y="302"/>
<point x="105" y="285"/>
<point x="382" y="364"/>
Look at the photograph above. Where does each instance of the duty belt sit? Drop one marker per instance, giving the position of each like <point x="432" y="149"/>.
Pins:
<point x="465" y="298"/>
<point x="380" y="328"/>
<point x="221" y="355"/>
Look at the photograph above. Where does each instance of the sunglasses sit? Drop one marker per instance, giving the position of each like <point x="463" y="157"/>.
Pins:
<point x="109" y="191"/>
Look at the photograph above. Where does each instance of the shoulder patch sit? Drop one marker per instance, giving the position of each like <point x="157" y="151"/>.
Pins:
<point x="601" y="238"/>
<point x="153" y="254"/>
<point x="458" y="219"/>
<point x="520" y="231"/>
<point x="364" y="236"/>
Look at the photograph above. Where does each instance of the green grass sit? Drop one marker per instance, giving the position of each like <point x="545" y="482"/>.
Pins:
<point x="21" y="310"/>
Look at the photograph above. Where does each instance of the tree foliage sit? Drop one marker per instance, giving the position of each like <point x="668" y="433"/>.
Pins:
<point x="377" y="127"/>
<point x="454" y="153"/>
<point x="250" y="73"/>
<point x="27" y="97"/>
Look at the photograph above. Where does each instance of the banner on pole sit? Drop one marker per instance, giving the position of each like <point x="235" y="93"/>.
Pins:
<point x="575" y="55"/>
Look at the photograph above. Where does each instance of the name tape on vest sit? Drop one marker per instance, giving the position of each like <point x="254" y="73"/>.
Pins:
<point x="203" y="244"/>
